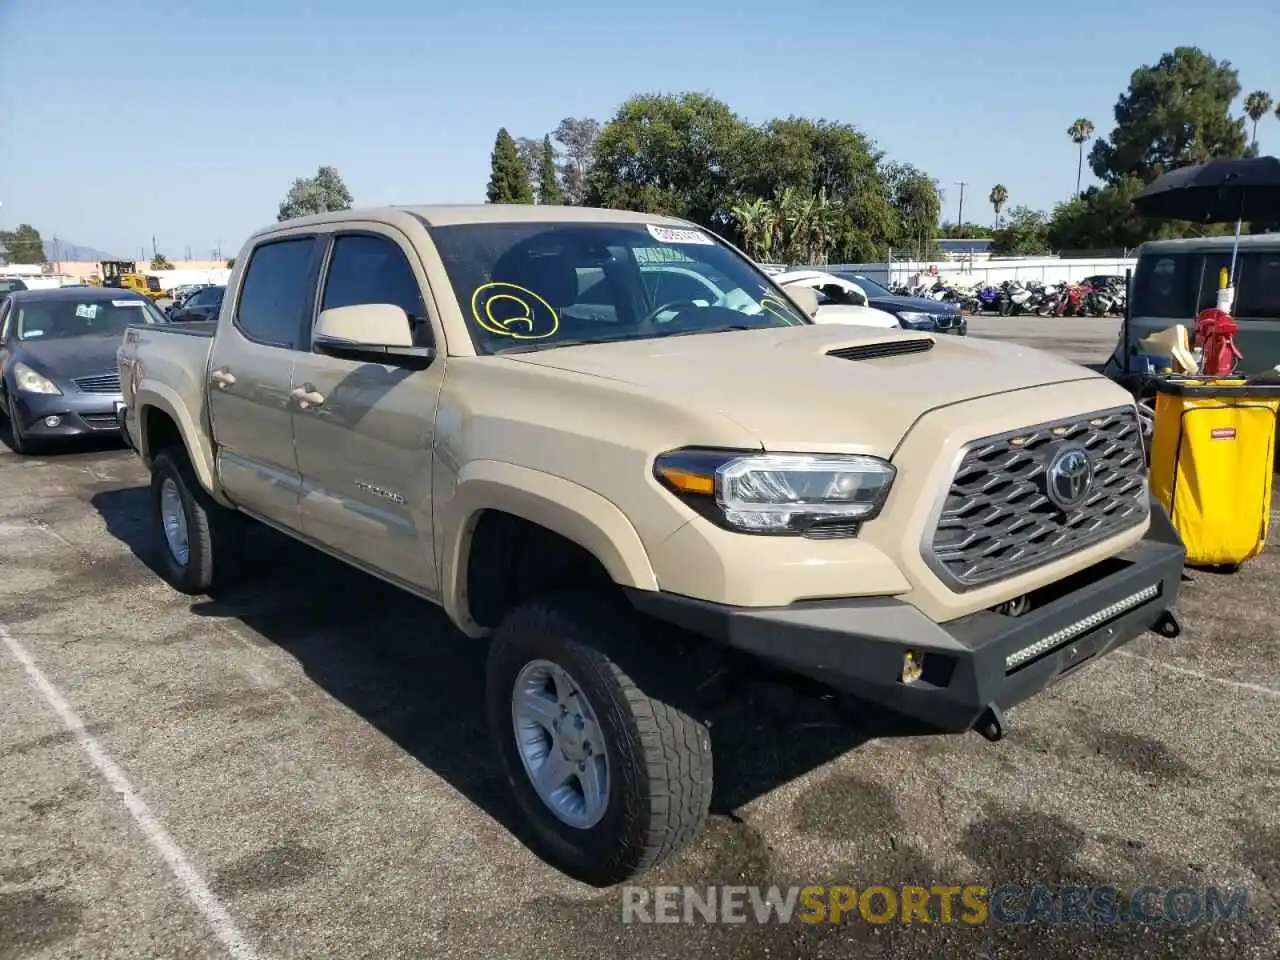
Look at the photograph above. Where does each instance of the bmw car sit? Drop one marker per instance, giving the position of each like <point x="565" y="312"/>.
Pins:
<point x="58" y="376"/>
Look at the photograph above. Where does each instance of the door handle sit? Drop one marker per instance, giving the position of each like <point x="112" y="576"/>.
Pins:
<point x="307" y="396"/>
<point x="222" y="377"/>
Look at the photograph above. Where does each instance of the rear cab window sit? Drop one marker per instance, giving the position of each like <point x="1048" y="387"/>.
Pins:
<point x="276" y="292"/>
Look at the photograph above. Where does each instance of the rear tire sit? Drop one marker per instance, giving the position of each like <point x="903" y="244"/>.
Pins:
<point x="184" y="514"/>
<point x="650" y="761"/>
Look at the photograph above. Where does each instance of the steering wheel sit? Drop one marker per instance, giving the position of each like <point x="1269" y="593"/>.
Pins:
<point x="650" y="317"/>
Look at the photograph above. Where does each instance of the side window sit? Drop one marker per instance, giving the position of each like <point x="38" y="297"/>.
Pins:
<point x="1258" y="286"/>
<point x="372" y="269"/>
<point x="275" y="292"/>
<point x="1207" y="281"/>
<point x="4" y="320"/>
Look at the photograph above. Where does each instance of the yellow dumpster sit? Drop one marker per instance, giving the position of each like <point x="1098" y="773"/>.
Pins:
<point x="1212" y="456"/>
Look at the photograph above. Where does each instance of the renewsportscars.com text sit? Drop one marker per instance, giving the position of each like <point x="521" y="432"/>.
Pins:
<point x="970" y="904"/>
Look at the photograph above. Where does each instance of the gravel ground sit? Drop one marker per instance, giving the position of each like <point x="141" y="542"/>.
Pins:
<point x="299" y="769"/>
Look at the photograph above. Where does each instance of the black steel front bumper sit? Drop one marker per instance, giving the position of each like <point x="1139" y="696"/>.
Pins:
<point x="857" y="646"/>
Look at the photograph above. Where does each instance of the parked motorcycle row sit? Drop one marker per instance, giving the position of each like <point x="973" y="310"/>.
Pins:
<point x="1101" y="296"/>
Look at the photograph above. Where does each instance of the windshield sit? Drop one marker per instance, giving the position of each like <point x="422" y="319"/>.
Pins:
<point x="8" y="286"/>
<point x="869" y="287"/>
<point x="63" y="318"/>
<point x="542" y="285"/>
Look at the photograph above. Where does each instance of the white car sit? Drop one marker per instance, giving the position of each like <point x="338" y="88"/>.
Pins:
<point x="839" y="300"/>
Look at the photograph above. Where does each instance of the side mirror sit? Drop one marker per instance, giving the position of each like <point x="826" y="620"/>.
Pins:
<point x="378" y="332"/>
<point x="804" y="298"/>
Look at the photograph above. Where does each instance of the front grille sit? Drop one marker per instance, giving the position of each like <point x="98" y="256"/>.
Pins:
<point x="946" y="321"/>
<point x="102" y="383"/>
<point x="100" y="421"/>
<point x="998" y="519"/>
<point x="878" y="351"/>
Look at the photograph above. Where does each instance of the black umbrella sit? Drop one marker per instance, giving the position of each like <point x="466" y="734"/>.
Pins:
<point x="1216" y="192"/>
<point x="1219" y="191"/>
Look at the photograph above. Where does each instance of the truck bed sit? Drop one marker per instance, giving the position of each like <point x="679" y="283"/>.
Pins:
<point x="159" y="361"/>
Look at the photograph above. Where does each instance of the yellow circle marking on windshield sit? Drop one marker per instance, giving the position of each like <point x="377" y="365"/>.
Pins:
<point x="776" y="307"/>
<point x="525" y="300"/>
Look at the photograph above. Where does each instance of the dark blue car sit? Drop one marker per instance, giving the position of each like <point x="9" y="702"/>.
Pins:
<point x="913" y="313"/>
<point x="58" y="373"/>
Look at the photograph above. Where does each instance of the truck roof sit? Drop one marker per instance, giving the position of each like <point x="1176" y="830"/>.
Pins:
<point x="440" y="215"/>
<point x="1266" y="241"/>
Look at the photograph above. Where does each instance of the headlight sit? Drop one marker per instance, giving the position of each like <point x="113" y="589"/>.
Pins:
<point x="909" y="318"/>
<point x="29" y="381"/>
<point x="779" y="493"/>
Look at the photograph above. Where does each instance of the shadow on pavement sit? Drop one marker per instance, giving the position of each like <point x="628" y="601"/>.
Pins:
<point x="399" y="663"/>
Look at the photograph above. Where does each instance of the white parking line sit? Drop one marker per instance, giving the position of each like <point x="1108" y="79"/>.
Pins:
<point x="1184" y="671"/>
<point x="197" y="891"/>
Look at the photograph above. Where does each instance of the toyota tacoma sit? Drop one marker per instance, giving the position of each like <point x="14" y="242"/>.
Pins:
<point x="530" y="416"/>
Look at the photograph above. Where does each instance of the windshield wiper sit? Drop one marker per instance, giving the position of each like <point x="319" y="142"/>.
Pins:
<point x="584" y="341"/>
<point x="723" y="328"/>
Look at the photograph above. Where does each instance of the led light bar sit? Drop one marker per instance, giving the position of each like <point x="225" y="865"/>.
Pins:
<point x="1070" y="632"/>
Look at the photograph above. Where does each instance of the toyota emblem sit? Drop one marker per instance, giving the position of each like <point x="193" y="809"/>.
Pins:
<point x="1069" y="477"/>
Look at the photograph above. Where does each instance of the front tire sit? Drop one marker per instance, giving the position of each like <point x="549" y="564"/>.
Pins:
<point x="625" y="775"/>
<point x="192" y="536"/>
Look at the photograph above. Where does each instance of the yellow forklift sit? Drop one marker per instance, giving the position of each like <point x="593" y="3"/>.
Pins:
<point x="124" y="275"/>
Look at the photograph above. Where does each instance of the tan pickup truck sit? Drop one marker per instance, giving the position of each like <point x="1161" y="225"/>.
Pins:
<point x="597" y="437"/>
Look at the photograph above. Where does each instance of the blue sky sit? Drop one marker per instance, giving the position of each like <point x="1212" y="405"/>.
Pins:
<point x="189" y="121"/>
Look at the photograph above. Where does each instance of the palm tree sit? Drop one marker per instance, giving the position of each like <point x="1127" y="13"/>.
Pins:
<point x="1080" y="132"/>
<point x="1256" y="106"/>
<point x="751" y="218"/>
<point x="999" y="197"/>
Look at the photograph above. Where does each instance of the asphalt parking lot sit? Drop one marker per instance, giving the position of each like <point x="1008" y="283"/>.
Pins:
<point x="300" y="768"/>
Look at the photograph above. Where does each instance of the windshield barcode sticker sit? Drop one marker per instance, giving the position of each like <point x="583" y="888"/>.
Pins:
<point x="678" y="235"/>
<point x="126" y="303"/>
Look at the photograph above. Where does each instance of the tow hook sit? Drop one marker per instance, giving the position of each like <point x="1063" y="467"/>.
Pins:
<point x="992" y="724"/>
<point x="1167" y="625"/>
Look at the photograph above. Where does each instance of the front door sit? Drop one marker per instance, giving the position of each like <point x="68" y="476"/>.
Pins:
<point x="250" y="377"/>
<point x="363" y="431"/>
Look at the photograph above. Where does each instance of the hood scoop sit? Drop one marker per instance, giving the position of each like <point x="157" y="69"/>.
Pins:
<point x="883" y="349"/>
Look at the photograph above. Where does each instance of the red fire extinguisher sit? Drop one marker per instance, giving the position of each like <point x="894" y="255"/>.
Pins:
<point x="1215" y="336"/>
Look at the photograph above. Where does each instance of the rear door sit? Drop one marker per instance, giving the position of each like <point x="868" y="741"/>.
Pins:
<point x="364" y="449"/>
<point x="250" y="374"/>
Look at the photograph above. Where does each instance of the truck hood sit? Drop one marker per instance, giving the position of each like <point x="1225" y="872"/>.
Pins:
<point x="783" y="386"/>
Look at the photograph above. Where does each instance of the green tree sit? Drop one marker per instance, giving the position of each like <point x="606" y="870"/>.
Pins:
<point x="1080" y="132"/>
<point x="918" y="204"/>
<point x="999" y="197"/>
<point x="509" y="176"/>
<point x="1175" y="113"/>
<point x="548" y="183"/>
<point x="678" y="155"/>
<point x="24" y="244"/>
<point x="578" y="138"/>
<point x="1024" y="234"/>
<point x="1256" y="106"/>
<point x="231" y="262"/>
<point x="322" y="193"/>
<point x="531" y="153"/>
<point x="161" y="262"/>
<point x="836" y="161"/>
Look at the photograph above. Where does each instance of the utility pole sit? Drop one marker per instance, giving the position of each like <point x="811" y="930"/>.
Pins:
<point x="155" y="253"/>
<point x="960" y="214"/>
<point x="188" y="251"/>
